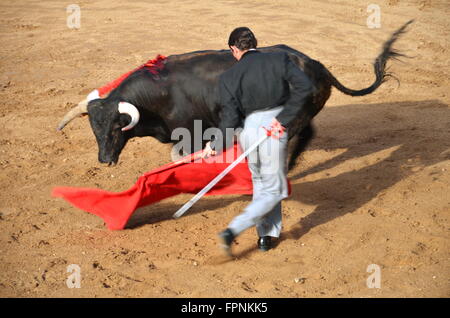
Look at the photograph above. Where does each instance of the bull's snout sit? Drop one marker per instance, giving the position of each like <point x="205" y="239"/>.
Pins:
<point x="108" y="160"/>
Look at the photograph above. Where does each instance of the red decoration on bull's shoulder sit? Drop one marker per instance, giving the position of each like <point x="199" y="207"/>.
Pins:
<point x="153" y="66"/>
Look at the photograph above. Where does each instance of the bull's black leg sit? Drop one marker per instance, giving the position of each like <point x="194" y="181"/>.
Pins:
<point x="300" y="141"/>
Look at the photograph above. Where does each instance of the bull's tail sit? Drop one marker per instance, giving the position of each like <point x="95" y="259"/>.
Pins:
<point x="379" y="66"/>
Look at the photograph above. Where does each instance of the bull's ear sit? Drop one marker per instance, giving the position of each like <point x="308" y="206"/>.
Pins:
<point x="124" y="120"/>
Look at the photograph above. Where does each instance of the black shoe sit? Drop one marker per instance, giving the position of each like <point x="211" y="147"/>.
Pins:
<point x="265" y="243"/>
<point x="227" y="238"/>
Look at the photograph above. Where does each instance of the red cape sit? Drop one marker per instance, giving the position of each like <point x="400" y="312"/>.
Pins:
<point x="183" y="176"/>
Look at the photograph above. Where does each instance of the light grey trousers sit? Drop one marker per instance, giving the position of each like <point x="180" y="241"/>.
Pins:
<point x="268" y="166"/>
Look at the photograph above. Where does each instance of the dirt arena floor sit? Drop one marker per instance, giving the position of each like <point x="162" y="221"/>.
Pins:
<point x="373" y="187"/>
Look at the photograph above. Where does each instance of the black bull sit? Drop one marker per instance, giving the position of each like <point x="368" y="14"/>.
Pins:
<point x="185" y="90"/>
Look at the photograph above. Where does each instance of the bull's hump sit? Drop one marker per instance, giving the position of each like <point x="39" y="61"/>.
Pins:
<point x="206" y="53"/>
<point x="195" y="54"/>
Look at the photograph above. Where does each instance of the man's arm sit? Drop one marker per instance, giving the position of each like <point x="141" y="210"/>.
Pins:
<point x="230" y="117"/>
<point x="300" y="89"/>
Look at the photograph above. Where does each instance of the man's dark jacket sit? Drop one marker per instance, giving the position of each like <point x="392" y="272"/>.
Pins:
<point x="260" y="81"/>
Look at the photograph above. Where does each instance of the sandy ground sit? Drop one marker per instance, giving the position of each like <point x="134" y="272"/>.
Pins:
<point x="373" y="187"/>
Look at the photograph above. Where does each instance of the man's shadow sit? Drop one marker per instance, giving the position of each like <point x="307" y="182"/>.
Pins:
<point x="415" y="133"/>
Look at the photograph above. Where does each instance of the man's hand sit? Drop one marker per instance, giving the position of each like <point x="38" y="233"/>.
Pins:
<point x="276" y="129"/>
<point x="208" y="151"/>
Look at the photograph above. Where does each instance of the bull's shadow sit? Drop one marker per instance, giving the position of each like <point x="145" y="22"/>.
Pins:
<point x="414" y="134"/>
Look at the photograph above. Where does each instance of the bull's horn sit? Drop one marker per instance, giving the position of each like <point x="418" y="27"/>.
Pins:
<point x="78" y="110"/>
<point x="132" y="111"/>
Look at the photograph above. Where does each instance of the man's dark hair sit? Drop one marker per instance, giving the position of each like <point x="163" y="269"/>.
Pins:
<point x="243" y="38"/>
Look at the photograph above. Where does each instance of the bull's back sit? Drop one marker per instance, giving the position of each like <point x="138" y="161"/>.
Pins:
<point x="209" y="64"/>
<point x="223" y="59"/>
<point x="197" y="74"/>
